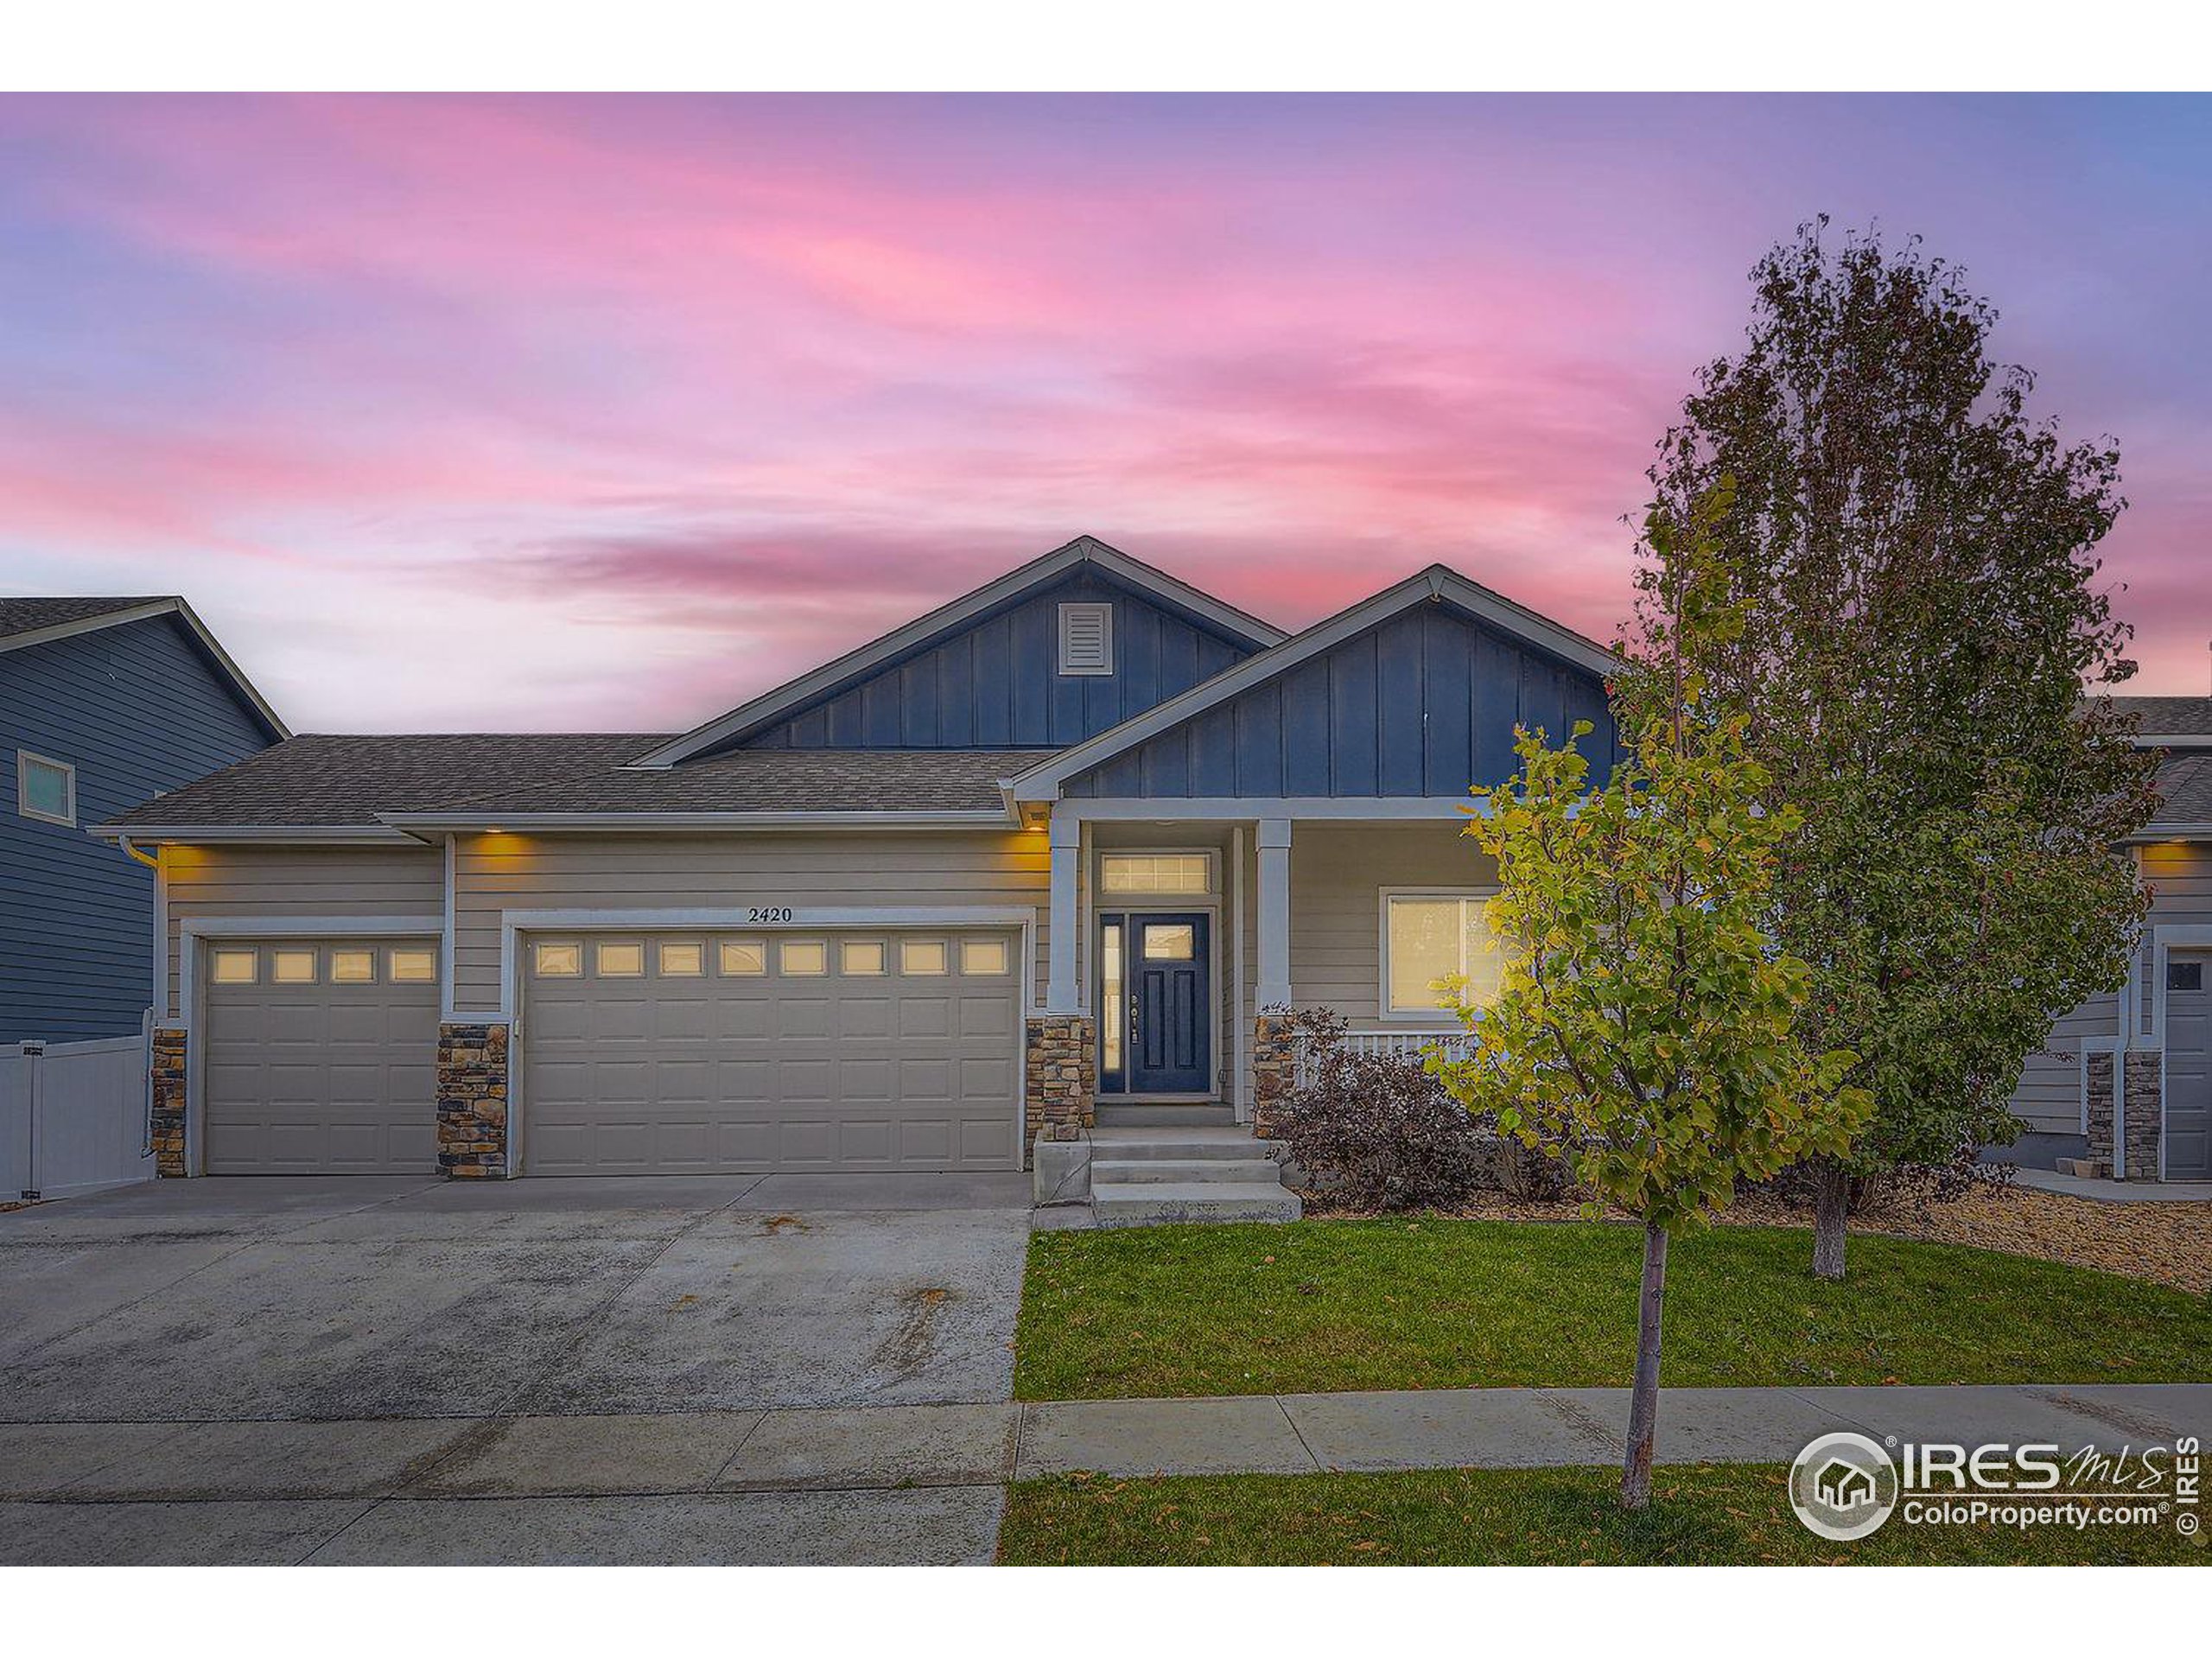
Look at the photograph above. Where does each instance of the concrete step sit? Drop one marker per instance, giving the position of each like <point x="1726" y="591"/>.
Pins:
<point x="1149" y="1205"/>
<point x="1154" y="1172"/>
<point x="1198" y="1113"/>
<point x="1235" y="1144"/>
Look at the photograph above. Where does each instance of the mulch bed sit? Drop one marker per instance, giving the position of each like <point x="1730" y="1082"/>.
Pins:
<point x="2166" y="1244"/>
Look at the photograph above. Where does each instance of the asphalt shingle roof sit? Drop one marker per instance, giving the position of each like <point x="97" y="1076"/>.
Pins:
<point x="28" y="615"/>
<point x="2169" y="716"/>
<point x="329" y="781"/>
<point x="2185" y="790"/>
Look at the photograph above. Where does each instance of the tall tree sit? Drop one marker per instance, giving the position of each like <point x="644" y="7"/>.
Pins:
<point x="1916" y="559"/>
<point x="1646" y="1024"/>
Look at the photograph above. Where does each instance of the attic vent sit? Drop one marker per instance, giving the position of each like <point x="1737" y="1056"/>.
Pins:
<point x="1086" y="638"/>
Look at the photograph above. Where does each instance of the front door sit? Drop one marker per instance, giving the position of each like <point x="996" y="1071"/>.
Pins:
<point x="1156" y="1029"/>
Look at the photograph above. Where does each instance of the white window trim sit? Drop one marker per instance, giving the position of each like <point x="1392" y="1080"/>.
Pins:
<point x="1103" y="609"/>
<point x="25" y="759"/>
<point x="1439" y="1017"/>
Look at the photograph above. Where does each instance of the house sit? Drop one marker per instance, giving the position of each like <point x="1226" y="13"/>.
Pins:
<point x="2123" y="1087"/>
<point x="1040" y="862"/>
<point x="104" y="704"/>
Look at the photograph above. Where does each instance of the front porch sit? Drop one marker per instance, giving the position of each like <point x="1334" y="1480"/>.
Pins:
<point x="1175" y="946"/>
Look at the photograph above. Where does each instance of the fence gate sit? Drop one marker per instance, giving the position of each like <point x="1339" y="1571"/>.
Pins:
<point x="73" y="1116"/>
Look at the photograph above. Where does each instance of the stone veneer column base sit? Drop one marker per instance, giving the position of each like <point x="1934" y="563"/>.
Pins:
<point x="1275" y="1072"/>
<point x="2146" y="1078"/>
<point x="473" y="1100"/>
<point x="165" y="1123"/>
<point x="1060" y="1079"/>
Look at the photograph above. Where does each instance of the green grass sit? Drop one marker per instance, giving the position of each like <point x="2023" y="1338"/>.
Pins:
<point x="1431" y="1304"/>
<point x="1732" y="1513"/>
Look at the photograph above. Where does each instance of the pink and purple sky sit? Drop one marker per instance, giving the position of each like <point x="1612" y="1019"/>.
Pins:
<point x="608" y="413"/>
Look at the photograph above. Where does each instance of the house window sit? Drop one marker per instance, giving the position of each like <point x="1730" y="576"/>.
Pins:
<point x="1429" y="937"/>
<point x="983" y="955"/>
<point x="2184" y="975"/>
<point x="1087" y="638"/>
<point x="45" y="789"/>
<point x="921" y="956"/>
<point x="353" y="967"/>
<point x="412" y="965"/>
<point x="744" y="958"/>
<point x="1179" y="873"/>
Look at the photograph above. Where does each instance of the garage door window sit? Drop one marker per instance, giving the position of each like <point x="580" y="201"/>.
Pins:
<point x="803" y="958"/>
<point x="234" y="967"/>
<point x="683" y="959"/>
<point x="922" y="957"/>
<point x="983" y="955"/>
<point x="744" y="958"/>
<point x="353" y="967"/>
<point x="413" y="967"/>
<point x="620" y="960"/>
<point x="291" y="967"/>
<point x="863" y="959"/>
<point x="560" y="961"/>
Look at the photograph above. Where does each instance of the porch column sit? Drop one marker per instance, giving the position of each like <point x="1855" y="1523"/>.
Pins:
<point x="1062" y="994"/>
<point x="1274" y="916"/>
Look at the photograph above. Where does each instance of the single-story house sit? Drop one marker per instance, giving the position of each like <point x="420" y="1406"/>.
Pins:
<point x="1035" y="867"/>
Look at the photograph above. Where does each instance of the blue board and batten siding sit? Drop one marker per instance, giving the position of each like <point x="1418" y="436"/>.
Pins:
<point x="1423" y="703"/>
<point x="996" y="683"/>
<point x="136" y="708"/>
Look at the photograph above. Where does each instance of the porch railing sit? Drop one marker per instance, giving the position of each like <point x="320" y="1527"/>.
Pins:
<point x="1452" y="1040"/>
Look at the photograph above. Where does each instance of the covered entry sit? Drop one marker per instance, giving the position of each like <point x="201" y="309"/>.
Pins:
<point x="836" y="1049"/>
<point x="319" y="1056"/>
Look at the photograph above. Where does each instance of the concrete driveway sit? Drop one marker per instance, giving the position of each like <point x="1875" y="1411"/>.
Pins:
<point x="374" y="1369"/>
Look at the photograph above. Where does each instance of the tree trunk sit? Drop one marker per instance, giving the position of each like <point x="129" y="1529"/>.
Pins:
<point x="1831" y="1204"/>
<point x="1644" y="1398"/>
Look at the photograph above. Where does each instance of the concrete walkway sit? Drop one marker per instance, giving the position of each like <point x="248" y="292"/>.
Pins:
<point x="911" y="1483"/>
<point x="2081" y="1187"/>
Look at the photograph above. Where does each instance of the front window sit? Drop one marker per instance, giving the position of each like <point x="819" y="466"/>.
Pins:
<point x="1180" y="873"/>
<point x="1430" y="937"/>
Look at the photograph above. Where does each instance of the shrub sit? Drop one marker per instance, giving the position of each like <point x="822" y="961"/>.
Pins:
<point x="1376" y="1131"/>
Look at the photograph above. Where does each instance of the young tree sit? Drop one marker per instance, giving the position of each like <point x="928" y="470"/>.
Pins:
<point x="1646" y="1023"/>
<point x="1914" y="559"/>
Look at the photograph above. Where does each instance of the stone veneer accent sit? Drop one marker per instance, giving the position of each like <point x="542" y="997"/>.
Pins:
<point x="166" y="1122"/>
<point x="1061" y="1075"/>
<point x="2146" y="1079"/>
<point x="1274" y="1067"/>
<point x="473" y="1100"/>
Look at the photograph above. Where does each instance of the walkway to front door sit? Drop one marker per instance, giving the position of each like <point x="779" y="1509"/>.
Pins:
<point x="1155" y="1029"/>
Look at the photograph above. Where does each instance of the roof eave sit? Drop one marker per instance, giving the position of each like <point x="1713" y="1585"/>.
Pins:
<point x="325" y="834"/>
<point x="485" y="823"/>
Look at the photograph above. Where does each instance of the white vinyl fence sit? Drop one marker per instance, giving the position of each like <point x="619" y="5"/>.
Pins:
<point x="73" y="1116"/>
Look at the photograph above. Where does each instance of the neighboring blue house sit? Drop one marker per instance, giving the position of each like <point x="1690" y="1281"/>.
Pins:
<point x="104" y="704"/>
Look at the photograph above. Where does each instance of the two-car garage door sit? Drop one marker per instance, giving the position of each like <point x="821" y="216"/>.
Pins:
<point x="848" y="1051"/>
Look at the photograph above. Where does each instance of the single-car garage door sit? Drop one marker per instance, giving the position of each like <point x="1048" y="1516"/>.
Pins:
<point x="319" y="1058"/>
<point x="798" y="1050"/>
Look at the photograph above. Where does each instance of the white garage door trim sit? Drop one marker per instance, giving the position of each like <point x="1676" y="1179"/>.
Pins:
<point x="192" y="936"/>
<point x="767" y="916"/>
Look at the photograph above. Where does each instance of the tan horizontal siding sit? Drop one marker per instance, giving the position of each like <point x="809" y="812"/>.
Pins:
<point x="493" y="874"/>
<point x="2180" y="879"/>
<point x="1337" y="873"/>
<point x="287" y="883"/>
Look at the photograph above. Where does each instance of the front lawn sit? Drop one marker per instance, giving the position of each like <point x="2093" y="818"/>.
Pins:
<point x="1729" y="1512"/>
<point x="1323" y="1306"/>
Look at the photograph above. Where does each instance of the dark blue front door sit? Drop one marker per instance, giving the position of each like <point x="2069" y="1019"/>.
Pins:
<point x="1170" y="1033"/>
